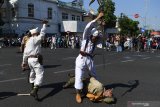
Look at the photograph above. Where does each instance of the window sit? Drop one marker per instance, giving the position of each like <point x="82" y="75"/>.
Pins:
<point x="30" y="10"/>
<point x="64" y="16"/>
<point x="78" y="18"/>
<point x="73" y="17"/>
<point x="49" y="13"/>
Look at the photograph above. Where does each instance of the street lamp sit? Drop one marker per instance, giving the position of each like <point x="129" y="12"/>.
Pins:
<point x="146" y="10"/>
<point x="119" y="29"/>
<point x="117" y="25"/>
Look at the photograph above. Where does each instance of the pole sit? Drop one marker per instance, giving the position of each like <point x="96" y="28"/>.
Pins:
<point x="103" y="46"/>
<point x="145" y="17"/>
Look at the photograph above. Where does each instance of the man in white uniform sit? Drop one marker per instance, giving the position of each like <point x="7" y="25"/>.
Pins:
<point x="85" y="60"/>
<point x="31" y="57"/>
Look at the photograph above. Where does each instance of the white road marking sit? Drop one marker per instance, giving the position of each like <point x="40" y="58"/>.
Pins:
<point x="127" y="57"/>
<point x="74" y="69"/>
<point x="54" y="72"/>
<point x="102" y="64"/>
<point x="146" y="58"/>
<point x="127" y="61"/>
<point x="139" y="55"/>
<point x="64" y="71"/>
<point x="113" y="54"/>
<point x="3" y="70"/>
<point x="16" y="79"/>
<point x="68" y="58"/>
<point x="5" y="65"/>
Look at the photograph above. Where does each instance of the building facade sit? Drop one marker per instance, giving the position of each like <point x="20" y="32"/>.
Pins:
<point x="22" y="15"/>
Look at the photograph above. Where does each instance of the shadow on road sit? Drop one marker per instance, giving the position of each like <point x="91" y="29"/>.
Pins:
<point x="57" y="87"/>
<point x="4" y="95"/>
<point x="51" y="66"/>
<point x="132" y="84"/>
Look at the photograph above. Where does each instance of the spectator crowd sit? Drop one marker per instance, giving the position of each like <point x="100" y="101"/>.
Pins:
<point x="112" y="43"/>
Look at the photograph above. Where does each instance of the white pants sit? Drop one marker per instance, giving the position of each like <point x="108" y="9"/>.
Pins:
<point x="83" y="64"/>
<point x="36" y="73"/>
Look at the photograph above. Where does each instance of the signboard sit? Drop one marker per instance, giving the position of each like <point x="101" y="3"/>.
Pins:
<point x="142" y="30"/>
<point x="136" y="16"/>
<point x="73" y="26"/>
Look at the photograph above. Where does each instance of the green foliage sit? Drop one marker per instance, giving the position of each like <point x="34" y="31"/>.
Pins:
<point x="110" y="18"/>
<point x="128" y="26"/>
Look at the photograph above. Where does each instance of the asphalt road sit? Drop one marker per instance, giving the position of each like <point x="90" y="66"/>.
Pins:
<point x="134" y="76"/>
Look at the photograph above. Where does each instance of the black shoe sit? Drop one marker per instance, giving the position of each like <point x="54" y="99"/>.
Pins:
<point x="66" y="86"/>
<point x="34" y="93"/>
<point x="32" y="86"/>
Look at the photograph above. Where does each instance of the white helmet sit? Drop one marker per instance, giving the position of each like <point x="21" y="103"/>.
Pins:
<point x="33" y="31"/>
<point x="94" y="32"/>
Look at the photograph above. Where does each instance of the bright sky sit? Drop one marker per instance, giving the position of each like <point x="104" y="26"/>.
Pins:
<point x="145" y="8"/>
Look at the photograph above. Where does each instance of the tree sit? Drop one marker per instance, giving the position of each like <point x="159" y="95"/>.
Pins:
<point x="110" y="18"/>
<point x="108" y="7"/>
<point x="1" y="21"/>
<point x="128" y="26"/>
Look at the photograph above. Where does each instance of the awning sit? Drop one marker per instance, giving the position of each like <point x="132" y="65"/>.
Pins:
<point x="155" y="33"/>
